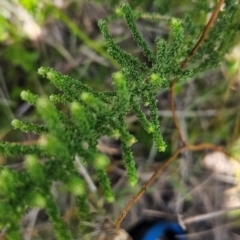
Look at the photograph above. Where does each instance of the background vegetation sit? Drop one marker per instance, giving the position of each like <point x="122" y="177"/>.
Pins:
<point x="65" y="36"/>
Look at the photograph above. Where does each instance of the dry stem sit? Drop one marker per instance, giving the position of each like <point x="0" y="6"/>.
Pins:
<point x="199" y="147"/>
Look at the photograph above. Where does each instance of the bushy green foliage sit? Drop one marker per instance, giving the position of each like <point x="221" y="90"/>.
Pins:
<point x="94" y="114"/>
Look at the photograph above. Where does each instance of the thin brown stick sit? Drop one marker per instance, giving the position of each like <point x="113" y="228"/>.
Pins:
<point x="193" y="219"/>
<point x="158" y="171"/>
<point x="208" y="216"/>
<point x="185" y="62"/>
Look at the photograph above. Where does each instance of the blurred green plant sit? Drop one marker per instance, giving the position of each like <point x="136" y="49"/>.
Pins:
<point x="92" y="114"/>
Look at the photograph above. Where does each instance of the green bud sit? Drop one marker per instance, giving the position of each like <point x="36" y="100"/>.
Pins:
<point x="156" y="79"/>
<point x="29" y="97"/>
<point x="34" y="169"/>
<point x="119" y="12"/>
<point x="43" y="103"/>
<point x="42" y="71"/>
<point x="50" y="75"/>
<point x="116" y="134"/>
<point x="161" y="148"/>
<point x="37" y="200"/>
<point x="75" y="106"/>
<point x="118" y="76"/>
<point x="146" y="104"/>
<point x="132" y="179"/>
<point x="100" y="161"/>
<point x="31" y="162"/>
<point x="19" y="209"/>
<point x="131" y="141"/>
<point x="16" y="123"/>
<point x="120" y="83"/>
<point x="160" y="144"/>
<point x="24" y="95"/>
<point x="91" y="100"/>
<point x="85" y="96"/>
<point x="42" y="141"/>
<point x="175" y="22"/>
<point x="150" y="128"/>
<point x="76" y="186"/>
<point x="110" y="198"/>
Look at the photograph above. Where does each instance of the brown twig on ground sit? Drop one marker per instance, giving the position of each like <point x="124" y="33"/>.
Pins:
<point x="185" y="62"/>
<point x="192" y="219"/>
<point x="199" y="147"/>
<point x="210" y="215"/>
<point x="185" y="146"/>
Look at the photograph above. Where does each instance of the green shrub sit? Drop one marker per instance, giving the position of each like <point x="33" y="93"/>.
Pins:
<point x="94" y="114"/>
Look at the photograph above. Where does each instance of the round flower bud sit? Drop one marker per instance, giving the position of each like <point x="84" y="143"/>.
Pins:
<point x="38" y="200"/>
<point x="100" y="161"/>
<point x="15" y="123"/>
<point x="131" y="141"/>
<point x="76" y="186"/>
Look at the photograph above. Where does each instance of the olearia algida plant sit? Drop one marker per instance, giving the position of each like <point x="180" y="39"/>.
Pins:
<point x="92" y="114"/>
